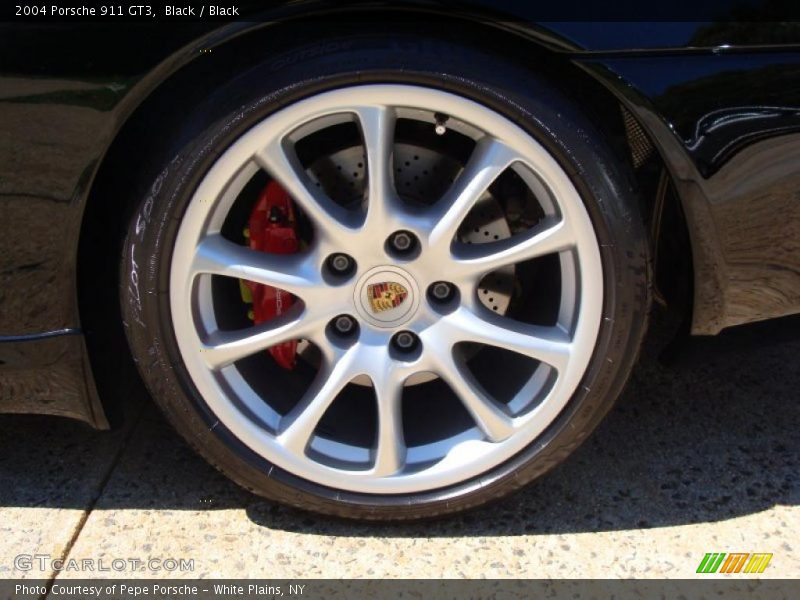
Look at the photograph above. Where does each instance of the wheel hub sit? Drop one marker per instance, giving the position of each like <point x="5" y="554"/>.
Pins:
<point x="386" y="297"/>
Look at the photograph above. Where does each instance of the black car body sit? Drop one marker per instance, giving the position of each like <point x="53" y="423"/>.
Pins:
<point x="716" y="105"/>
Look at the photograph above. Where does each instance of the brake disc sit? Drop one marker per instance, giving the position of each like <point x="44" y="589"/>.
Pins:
<point x="421" y="176"/>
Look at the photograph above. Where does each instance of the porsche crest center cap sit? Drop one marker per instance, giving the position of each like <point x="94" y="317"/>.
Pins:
<point x="386" y="296"/>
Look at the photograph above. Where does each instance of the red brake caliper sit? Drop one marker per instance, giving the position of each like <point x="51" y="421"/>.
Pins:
<point x="273" y="229"/>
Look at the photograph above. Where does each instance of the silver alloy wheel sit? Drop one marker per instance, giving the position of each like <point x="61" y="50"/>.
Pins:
<point x="290" y="441"/>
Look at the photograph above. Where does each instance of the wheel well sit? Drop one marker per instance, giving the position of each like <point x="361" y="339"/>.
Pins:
<point x="117" y="188"/>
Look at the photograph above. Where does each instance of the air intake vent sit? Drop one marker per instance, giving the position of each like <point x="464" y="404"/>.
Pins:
<point x="640" y="145"/>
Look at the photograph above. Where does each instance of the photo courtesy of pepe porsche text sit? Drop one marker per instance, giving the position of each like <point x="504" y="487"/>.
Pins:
<point x="149" y="589"/>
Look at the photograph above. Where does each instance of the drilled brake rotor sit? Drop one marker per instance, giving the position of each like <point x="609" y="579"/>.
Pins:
<point x="421" y="176"/>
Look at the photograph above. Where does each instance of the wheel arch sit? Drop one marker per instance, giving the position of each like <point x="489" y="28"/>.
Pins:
<point x="157" y="104"/>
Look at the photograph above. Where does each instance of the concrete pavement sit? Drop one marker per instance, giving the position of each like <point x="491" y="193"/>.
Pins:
<point x="700" y="456"/>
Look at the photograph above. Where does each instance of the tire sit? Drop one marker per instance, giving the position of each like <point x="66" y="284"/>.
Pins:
<point x="514" y="99"/>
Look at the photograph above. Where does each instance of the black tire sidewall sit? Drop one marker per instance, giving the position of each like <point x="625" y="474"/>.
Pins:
<point x="517" y="93"/>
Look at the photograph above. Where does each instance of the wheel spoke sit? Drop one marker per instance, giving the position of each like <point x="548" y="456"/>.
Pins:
<point x="490" y="418"/>
<point x="546" y="238"/>
<point x="377" y="127"/>
<point x="489" y="159"/>
<point x="331" y="221"/>
<point x="298" y="425"/>
<point x="391" y="448"/>
<point x="294" y="273"/>
<point x="550" y="345"/>
<point x="222" y="348"/>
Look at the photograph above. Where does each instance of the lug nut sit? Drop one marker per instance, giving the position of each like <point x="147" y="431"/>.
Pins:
<point x="402" y="241"/>
<point x="340" y="263"/>
<point x="405" y="340"/>
<point x="344" y="324"/>
<point x="441" y="291"/>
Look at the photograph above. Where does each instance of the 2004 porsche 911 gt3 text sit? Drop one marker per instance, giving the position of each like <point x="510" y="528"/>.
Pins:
<point x="376" y="267"/>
